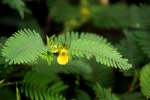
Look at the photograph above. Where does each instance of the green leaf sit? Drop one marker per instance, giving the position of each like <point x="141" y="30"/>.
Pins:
<point x="19" y="5"/>
<point x="110" y="16"/>
<point x="29" y="22"/>
<point x="99" y="74"/>
<point x="143" y="39"/>
<point x="145" y="80"/>
<point x="82" y="95"/>
<point x="121" y="16"/>
<point x="25" y="46"/>
<point x="66" y="38"/>
<point x="76" y="66"/>
<point x="2" y="41"/>
<point x="130" y="49"/>
<point x="36" y="92"/>
<point x="104" y="94"/>
<point x="90" y="46"/>
<point x="41" y="83"/>
<point x="67" y="12"/>
<point x="40" y="74"/>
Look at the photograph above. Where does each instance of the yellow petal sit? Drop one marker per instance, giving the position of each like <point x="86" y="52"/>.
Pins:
<point x="62" y="59"/>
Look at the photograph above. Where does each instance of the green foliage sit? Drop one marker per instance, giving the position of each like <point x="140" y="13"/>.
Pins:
<point x="90" y="45"/>
<point x="25" y="46"/>
<point x="44" y="93"/>
<point x="104" y="94"/>
<point x="99" y="74"/>
<point x="121" y="16"/>
<point x="18" y="97"/>
<point x="143" y="38"/>
<point x="82" y="95"/>
<point x="47" y="73"/>
<point x="116" y="16"/>
<point x="2" y="41"/>
<point x="22" y="48"/>
<point x="7" y="94"/>
<point x="67" y="38"/>
<point x="89" y="49"/>
<point x="130" y="49"/>
<point x="29" y="59"/>
<point x="77" y="66"/>
<point x="90" y="70"/>
<point x="19" y="5"/>
<point x="71" y="12"/>
<point x="110" y="16"/>
<point x="145" y="80"/>
<point x="132" y="96"/>
<point x="37" y="83"/>
<point x="30" y="23"/>
<point x="40" y="71"/>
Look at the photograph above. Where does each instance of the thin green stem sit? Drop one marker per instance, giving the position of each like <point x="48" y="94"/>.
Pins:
<point x="134" y="82"/>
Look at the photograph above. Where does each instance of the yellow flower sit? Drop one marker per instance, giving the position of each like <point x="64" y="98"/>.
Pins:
<point x="63" y="57"/>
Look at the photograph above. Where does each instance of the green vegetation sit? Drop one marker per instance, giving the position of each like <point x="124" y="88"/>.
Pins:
<point x="76" y="63"/>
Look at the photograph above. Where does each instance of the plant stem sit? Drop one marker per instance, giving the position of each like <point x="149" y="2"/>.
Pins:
<point x="134" y="81"/>
<point x="10" y="83"/>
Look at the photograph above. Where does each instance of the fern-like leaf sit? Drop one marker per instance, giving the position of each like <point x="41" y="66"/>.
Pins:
<point x="2" y="41"/>
<point x="99" y="74"/>
<point x="130" y="49"/>
<point x="145" y="80"/>
<point x="66" y="38"/>
<point x="44" y="93"/>
<point x="143" y="39"/>
<point x="19" y="5"/>
<point x="89" y="46"/>
<point x="104" y="94"/>
<point x="121" y="16"/>
<point x="25" y="46"/>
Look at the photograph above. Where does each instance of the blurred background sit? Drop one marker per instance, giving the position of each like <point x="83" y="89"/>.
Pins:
<point x="56" y="16"/>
